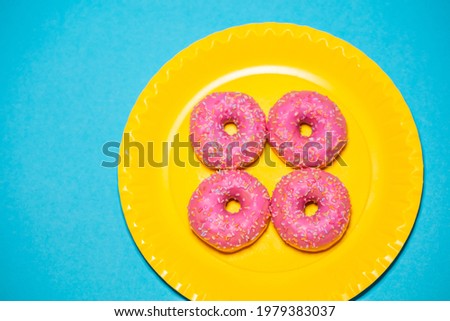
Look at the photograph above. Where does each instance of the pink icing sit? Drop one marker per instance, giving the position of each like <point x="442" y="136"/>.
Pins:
<point x="213" y="145"/>
<point x="225" y="231"/>
<point x="329" y="129"/>
<point x="326" y="226"/>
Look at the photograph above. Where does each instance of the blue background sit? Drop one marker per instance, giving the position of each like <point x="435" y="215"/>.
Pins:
<point x="70" y="74"/>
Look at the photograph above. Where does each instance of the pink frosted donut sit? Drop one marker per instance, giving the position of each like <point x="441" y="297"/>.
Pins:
<point x="329" y="129"/>
<point x="290" y="197"/>
<point x="225" y="231"/>
<point x="213" y="145"/>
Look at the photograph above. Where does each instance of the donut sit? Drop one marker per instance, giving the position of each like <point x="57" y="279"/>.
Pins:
<point x="300" y="188"/>
<point x="215" y="147"/>
<point x="328" y="125"/>
<point x="221" y="229"/>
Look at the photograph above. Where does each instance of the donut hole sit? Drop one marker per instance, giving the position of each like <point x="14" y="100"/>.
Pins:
<point x="311" y="208"/>
<point x="230" y="128"/>
<point x="233" y="206"/>
<point x="305" y="129"/>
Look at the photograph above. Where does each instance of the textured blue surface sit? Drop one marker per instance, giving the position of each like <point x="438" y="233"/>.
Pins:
<point x="70" y="74"/>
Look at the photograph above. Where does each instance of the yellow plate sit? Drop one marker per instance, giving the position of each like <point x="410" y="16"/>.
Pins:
<point x="383" y="172"/>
